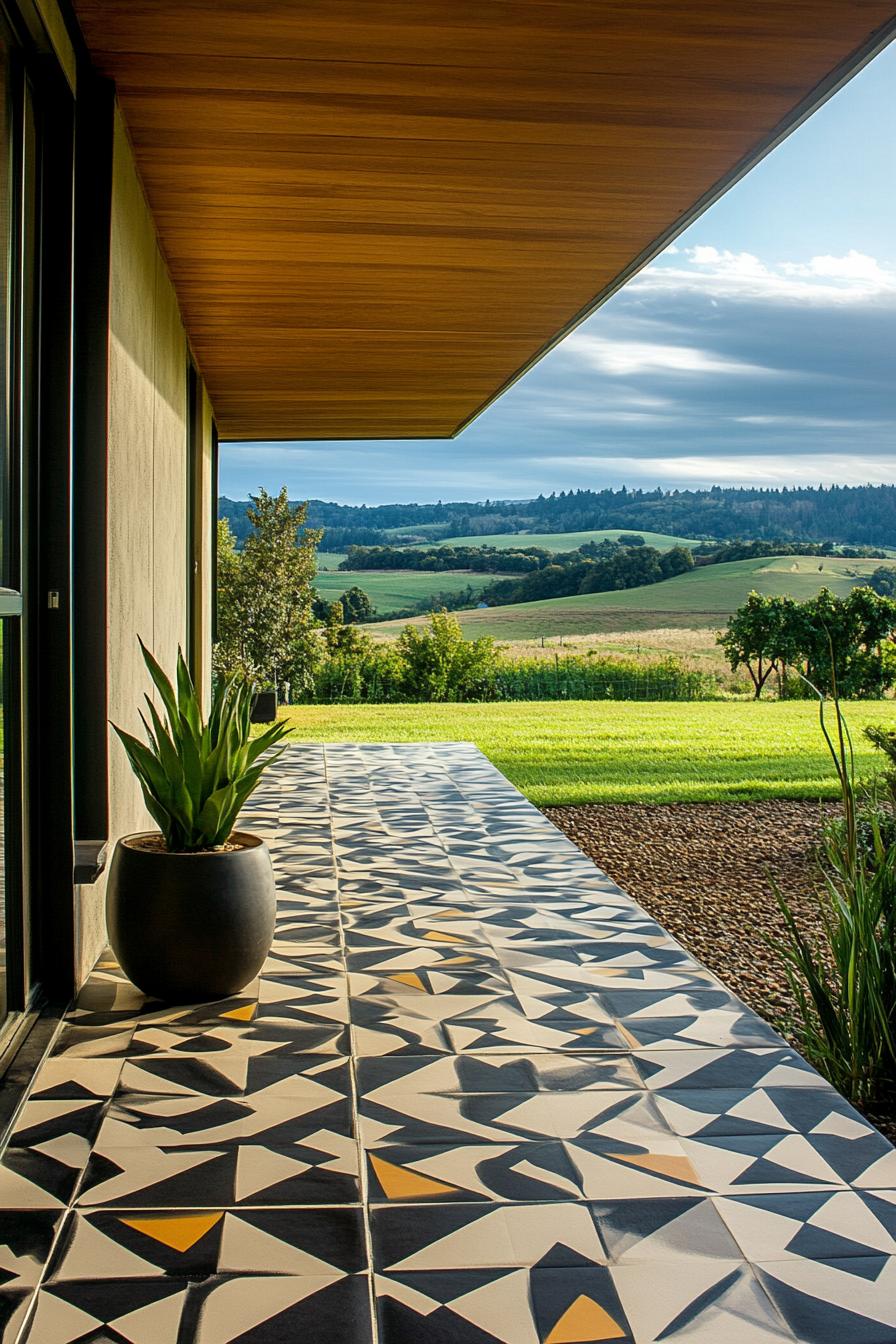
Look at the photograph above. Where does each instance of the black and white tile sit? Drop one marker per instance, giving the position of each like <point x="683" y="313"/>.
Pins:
<point x="475" y="1094"/>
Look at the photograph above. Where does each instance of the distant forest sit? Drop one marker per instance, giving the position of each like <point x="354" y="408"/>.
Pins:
<point x="858" y="515"/>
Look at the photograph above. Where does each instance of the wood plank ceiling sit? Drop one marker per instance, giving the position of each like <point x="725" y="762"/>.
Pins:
<point x="377" y="212"/>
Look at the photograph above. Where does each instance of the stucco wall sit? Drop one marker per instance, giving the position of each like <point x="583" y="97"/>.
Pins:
<point x="147" y="499"/>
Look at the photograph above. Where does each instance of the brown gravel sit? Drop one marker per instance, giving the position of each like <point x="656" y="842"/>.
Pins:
<point x="702" y="870"/>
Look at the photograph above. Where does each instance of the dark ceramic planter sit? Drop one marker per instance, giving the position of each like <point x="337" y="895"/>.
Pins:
<point x="187" y="927"/>
<point x="264" y="707"/>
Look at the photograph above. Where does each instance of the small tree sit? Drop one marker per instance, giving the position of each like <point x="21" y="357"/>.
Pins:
<point x="829" y="638"/>
<point x="356" y="605"/>
<point x="678" y="560"/>
<point x="762" y="636"/>
<point x="265" y="593"/>
<point x="230" y="653"/>
<point x="845" y="639"/>
<point x="883" y="580"/>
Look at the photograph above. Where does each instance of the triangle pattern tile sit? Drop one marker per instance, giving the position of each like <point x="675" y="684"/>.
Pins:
<point x="474" y="1082"/>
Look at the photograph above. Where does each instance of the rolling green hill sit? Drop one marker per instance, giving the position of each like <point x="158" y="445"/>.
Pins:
<point x="329" y="560"/>
<point x="565" y="541"/>
<point x="395" y="589"/>
<point x="704" y="597"/>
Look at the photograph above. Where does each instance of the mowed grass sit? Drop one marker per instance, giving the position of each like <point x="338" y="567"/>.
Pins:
<point x="565" y="752"/>
<point x="702" y="598"/>
<point x="567" y="541"/>
<point x="395" y="589"/>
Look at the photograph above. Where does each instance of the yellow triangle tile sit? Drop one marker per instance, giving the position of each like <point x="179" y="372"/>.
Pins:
<point x="463" y="960"/>
<point x="179" y="1232"/>
<point x="400" y="1183"/>
<point x="627" y="1036"/>
<point x="583" y="1031"/>
<point x="409" y="978"/>
<point x="664" y="1164"/>
<point x="435" y="937"/>
<point x="244" y="1014"/>
<point x="584" y="1323"/>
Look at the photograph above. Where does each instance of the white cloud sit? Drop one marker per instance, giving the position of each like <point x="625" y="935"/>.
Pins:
<point x="810" y="422"/>
<point x="720" y="273"/>
<point x="854" y="266"/>
<point x="756" y="469"/>
<point x="623" y="359"/>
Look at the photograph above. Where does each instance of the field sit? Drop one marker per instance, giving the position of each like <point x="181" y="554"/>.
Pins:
<point x="599" y="751"/>
<point x="327" y="560"/>
<point x="395" y="589"/>
<point x="413" y="530"/>
<point x="566" y="541"/>
<point x="703" y="598"/>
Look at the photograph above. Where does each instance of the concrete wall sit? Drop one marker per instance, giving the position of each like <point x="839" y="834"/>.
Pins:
<point x="147" y="494"/>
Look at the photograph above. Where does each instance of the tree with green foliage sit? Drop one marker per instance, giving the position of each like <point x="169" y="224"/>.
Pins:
<point x="883" y="580"/>
<point x="678" y="560"/>
<point x="762" y="636"/>
<point x="229" y="654"/>
<point x="356" y="605"/>
<point x="265" y="594"/>
<point x="847" y="641"/>
<point x="439" y="664"/>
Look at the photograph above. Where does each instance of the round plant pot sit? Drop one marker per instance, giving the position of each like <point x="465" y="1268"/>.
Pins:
<point x="264" y="707"/>
<point x="187" y="927"/>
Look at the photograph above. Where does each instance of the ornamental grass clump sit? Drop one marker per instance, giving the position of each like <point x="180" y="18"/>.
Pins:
<point x="196" y="774"/>
<point x="845" y="986"/>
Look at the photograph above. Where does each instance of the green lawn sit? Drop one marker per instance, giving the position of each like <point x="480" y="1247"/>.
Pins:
<point x="601" y="751"/>
<point x="567" y="541"/>
<point x="396" y="589"/>
<point x="702" y="598"/>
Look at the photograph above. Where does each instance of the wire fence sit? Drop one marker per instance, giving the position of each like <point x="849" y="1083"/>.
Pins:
<point x="558" y="681"/>
<point x="567" y="678"/>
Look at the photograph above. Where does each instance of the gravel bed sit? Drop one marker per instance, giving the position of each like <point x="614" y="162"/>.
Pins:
<point x="702" y="870"/>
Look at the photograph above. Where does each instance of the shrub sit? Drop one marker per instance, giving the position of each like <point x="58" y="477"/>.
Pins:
<point x="371" y="674"/>
<point x="439" y="664"/>
<point x="599" y="678"/>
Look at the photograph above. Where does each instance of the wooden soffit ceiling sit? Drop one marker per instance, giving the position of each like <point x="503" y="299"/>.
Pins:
<point x="377" y="213"/>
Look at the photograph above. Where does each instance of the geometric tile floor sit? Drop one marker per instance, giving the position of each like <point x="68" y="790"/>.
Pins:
<point x="475" y="1095"/>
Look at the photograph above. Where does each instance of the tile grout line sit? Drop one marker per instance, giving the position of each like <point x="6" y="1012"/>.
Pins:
<point x="382" y="800"/>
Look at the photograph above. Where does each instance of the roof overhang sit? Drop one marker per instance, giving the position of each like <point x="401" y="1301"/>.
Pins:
<point x="378" y="213"/>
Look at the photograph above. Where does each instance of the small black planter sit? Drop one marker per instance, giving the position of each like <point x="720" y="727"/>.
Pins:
<point x="264" y="707"/>
<point x="187" y="927"/>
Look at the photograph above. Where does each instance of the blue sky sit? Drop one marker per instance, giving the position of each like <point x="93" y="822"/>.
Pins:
<point x="760" y="349"/>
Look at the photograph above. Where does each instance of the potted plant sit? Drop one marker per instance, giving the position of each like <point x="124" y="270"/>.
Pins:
<point x="190" y="908"/>
<point x="264" y="703"/>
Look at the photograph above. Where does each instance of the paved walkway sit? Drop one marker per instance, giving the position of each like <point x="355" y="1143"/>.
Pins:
<point x="568" y="1130"/>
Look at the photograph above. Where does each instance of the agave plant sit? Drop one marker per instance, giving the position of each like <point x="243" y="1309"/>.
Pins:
<point x="196" y="774"/>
